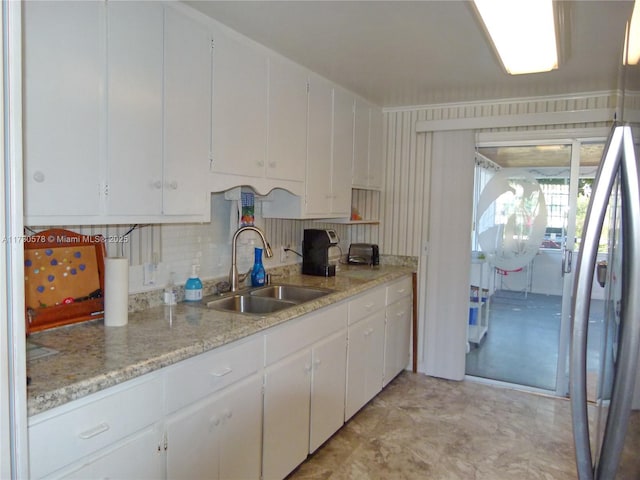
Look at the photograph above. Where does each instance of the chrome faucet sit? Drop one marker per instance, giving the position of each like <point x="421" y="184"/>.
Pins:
<point x="233" y="274"/>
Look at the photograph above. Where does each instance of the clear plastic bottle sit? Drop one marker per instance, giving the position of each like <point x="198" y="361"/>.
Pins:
<point x="193" y="287"/>
<point x="170" y="291"/>
<point x="258" y="275"/>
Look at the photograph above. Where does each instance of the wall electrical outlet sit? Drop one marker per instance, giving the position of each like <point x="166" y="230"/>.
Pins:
<point x="149" y="271"/>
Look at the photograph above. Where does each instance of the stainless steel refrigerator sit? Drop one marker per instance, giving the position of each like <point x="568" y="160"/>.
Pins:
<point x="605" y="446"/>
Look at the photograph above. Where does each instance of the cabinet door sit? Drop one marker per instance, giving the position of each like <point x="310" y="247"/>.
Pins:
<point x="361" y="144"/>
<point x="134" y="108"/>
<point x="219" y="437"/>
<point x="398" y="338"/>
<point x="356" y="367"/>
<point x="287" y="145"/>
<point x="376" y="154"/>
<point x="187" y="115"/>
<point x="375" y="355"/>
<point x="286" y="415"/>
<point x="342" y="157"/>
<point x="239" y="107"/>
<point x="140" y="456"/>
<point x="63" y="66"/>
<point x="193" y="437"/>
<point x="365" y="362"/>
<point x="318" y="179"/>
<point x="241" y="447"/>
<point x="329" y="360"/>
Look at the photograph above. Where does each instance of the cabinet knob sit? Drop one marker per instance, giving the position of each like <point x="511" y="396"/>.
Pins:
<point x="172" y="185"/>
<point x="157" y="184"/>
<point x="227" y="413"/>
<point x="272" y="164"/>
<point x="38" y="176"/>
<point x="307" y="368"/>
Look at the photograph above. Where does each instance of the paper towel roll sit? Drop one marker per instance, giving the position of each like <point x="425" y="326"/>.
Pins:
<point x="116" y="291"/>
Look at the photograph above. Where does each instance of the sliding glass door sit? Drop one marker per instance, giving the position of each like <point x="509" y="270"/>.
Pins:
<point x="531" y="199"/>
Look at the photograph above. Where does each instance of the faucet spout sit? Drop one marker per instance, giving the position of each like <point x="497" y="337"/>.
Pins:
<point x="233" y="274"/>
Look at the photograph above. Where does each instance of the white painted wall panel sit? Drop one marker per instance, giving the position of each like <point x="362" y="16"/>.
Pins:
<point x="446" y="302"/>
<point x="406" y="189"/>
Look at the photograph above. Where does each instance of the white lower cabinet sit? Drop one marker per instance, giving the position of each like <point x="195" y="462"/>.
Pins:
<point x="286" y="415"/>
<point x="365" y="361"/>
<point x="86" y="434"/>
<point x="397" y="339"/>
<point x="303" y="388"/>
<point x="218" y="438"/>
<point x="327" y="388"/>
<point x="249" y="410"/>
<point x="140" y="457"/>
<point x="397" y="346"/>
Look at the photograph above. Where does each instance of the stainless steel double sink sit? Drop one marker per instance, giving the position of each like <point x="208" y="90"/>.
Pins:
<point x="268" y="299"/>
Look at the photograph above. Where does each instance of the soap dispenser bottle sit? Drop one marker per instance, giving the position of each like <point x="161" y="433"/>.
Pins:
<point x="193" y="287"/>
<point x="258" y="275"/>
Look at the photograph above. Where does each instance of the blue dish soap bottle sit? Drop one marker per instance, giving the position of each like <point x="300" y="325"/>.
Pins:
<point x="258" y="274"/>
<point x="193" y="287"/>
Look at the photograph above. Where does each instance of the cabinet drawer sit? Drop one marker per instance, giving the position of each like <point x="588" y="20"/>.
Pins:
<point x="401" y="308"/>
<point x="398" y="289"/>
<point x="293" y="336"/>
<point x="87" y="425"/>
<point x="366" y="304"/>
<point x="200" y="376"/>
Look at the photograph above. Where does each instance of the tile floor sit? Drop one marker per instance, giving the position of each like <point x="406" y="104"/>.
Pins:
<point x="421" y="427"/>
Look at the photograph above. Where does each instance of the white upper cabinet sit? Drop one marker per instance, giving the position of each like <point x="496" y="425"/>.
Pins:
<point x="376" y="145"/>
<point x="187" y="97"/>
<point x="329" y="158"/>
<point x="367" y="149"/>
<point x="342" y="154"/>
<point x="361" y="144"/>
<point x="134" y="108"/>
<point x="117" y="113"/>
<point x="287" y="139"/>
<point x="259" y="126"/>
<point x="62" y="110"/>
<point x="318" y="181"/>
<point x="239" y="107"/>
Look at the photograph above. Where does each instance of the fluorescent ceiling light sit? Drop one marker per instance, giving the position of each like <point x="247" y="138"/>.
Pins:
<point x="632" y="44"/>
<point x="523" y="33"/>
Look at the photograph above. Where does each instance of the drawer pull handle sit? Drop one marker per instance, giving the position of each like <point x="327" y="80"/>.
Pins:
<point x="223" y="372"/>
<point x="92" y="432"/>
<point x="400" y="314"/>
<point x="401" y="290"/>
<point x="369" y="306"/>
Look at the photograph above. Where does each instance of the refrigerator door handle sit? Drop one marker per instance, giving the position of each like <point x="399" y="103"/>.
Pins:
<point x="567" y="261"/>
<point x="627" y="359"/>
<point x="582" y="290"/>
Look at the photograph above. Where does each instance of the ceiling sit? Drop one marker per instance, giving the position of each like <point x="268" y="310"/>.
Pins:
<point x="399" y="53"/>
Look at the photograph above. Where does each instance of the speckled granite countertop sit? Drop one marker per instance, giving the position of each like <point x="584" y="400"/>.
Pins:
<point x="92" y="357"/>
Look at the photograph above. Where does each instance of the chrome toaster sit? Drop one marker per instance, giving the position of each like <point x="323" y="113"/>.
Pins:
<point x="363" y="254"/>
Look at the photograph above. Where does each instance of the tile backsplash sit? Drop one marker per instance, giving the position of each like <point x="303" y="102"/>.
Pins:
<point x="158" y="252"/>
